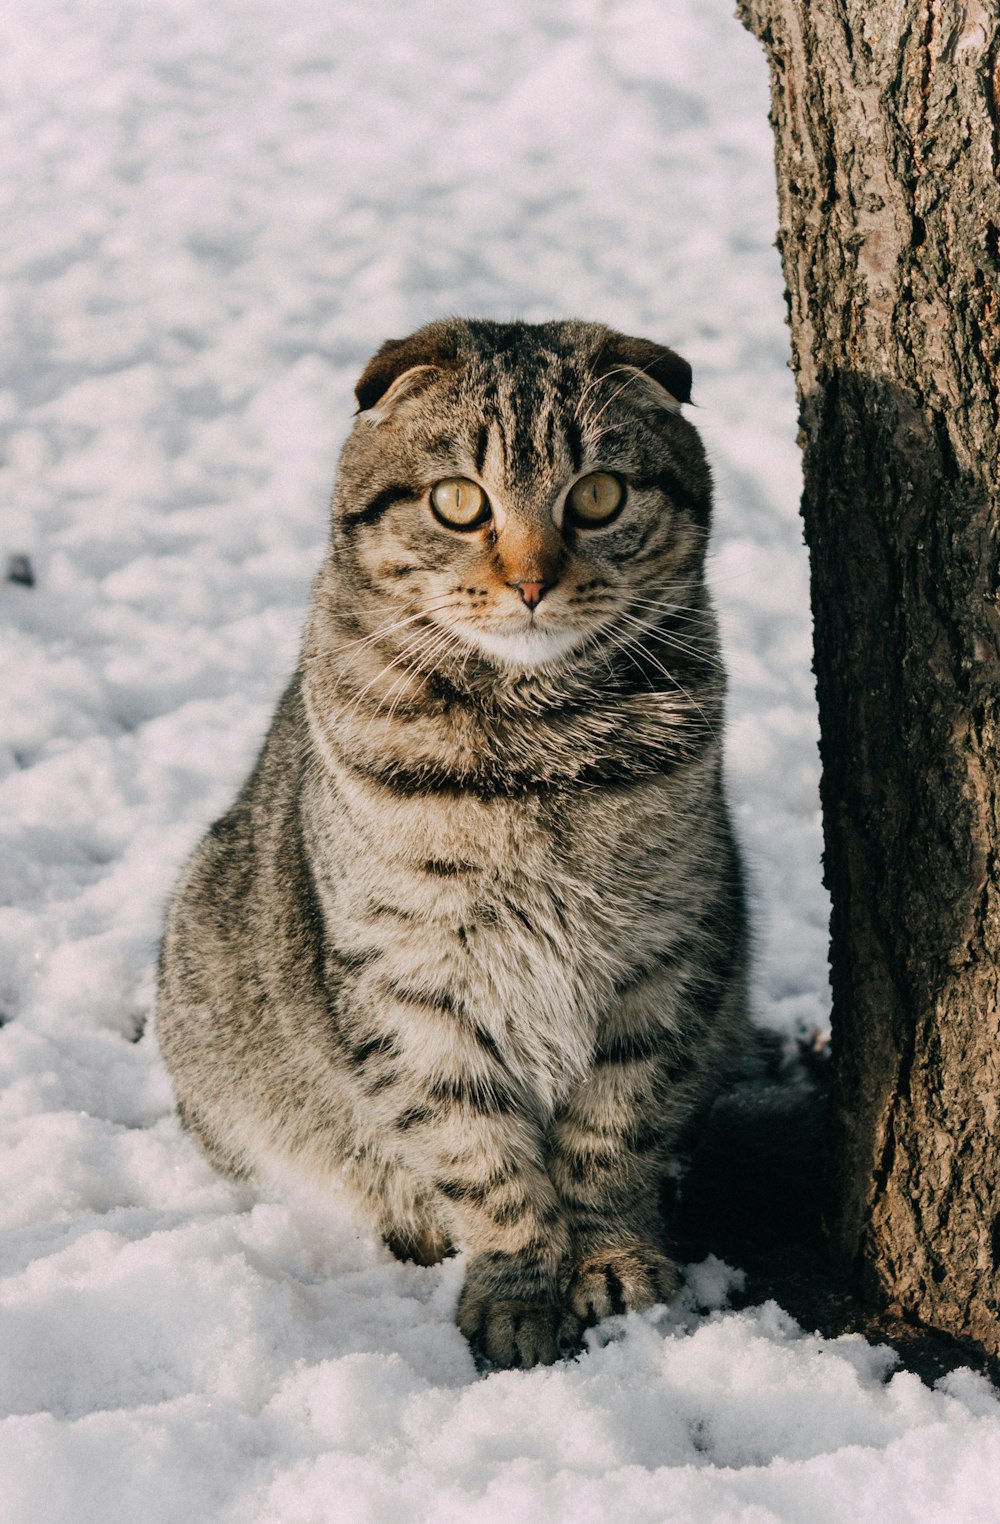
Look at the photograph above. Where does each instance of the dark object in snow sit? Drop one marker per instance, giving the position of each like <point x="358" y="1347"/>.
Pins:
<point x="19" y="570"/>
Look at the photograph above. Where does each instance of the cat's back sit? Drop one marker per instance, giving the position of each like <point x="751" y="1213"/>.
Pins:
<point x="239" y="953"/>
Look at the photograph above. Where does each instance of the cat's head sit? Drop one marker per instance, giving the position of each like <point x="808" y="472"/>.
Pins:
<point x="521" y="487"/>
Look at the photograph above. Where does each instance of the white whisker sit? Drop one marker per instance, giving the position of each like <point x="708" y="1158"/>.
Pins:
<point x="386" y="629"/>
<point x="627" y="644"/>
<point x="428" y="657"/>
<point x="675" y="610"/>
<point x="672" y="640"/>
<point x="403" y="655"/>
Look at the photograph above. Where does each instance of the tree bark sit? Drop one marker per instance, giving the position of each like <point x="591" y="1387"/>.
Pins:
<point x="887" y="126"/>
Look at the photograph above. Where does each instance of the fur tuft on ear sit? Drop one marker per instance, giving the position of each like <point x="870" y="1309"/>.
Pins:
<point x="430" y="348"/>
<point x="657" y="362"/>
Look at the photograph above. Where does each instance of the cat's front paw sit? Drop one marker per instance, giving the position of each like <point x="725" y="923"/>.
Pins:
<point x="508" y="1333"/>
<point x="620" y="1280"/>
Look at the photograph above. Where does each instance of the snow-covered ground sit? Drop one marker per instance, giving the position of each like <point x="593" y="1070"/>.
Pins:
<point x="212" y="214"/>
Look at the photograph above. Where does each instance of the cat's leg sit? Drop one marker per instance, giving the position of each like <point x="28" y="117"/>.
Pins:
<point x="618" y="1261"/>
<point x="608" y="1152"/>
<point x="485" y="1165"/>
<point x="441" y="1111"/>
<point x="665" y="1048"/>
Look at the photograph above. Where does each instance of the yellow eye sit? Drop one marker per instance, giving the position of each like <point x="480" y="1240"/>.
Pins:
<point x="459" y="503"/>
<point x="596" y="499"/>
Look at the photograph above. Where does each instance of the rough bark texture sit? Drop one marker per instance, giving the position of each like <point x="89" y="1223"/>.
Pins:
<point x="887" y="123"/>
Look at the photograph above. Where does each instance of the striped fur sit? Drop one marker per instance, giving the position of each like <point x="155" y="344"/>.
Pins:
<point x="472" y="937"/>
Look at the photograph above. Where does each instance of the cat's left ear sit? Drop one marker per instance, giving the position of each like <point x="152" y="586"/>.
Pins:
<point x="401" y="368"/>
<point x="669" y="374"/>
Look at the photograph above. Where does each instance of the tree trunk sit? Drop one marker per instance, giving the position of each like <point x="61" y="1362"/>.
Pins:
<point x="887" y="124"/>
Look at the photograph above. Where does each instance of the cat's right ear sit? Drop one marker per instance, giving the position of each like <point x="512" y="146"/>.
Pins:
<point x="401" y="368"/>
<point x="406" y="385"/>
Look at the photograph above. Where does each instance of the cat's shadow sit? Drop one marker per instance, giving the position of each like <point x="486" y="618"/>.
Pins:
<point x="754" y="1195"/>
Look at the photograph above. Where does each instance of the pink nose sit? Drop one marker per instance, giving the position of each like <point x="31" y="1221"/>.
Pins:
<point x="532" y="592"/>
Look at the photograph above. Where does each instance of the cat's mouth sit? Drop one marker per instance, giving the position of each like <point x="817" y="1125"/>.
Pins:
<point x="529" y="644"/>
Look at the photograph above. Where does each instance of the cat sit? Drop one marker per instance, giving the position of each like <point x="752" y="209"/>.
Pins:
<point x="472" y="938"/>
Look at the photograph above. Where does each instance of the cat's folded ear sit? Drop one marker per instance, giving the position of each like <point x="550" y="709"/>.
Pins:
<point x="668" y="374"/>
<point x="401" y="368"/>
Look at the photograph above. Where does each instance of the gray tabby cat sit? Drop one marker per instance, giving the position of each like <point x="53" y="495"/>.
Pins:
<point x="472" y="937"/>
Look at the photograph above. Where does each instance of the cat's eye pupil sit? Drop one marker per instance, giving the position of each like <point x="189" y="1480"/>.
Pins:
<point x="596" y="499"/>
<point x="460" y="503"/>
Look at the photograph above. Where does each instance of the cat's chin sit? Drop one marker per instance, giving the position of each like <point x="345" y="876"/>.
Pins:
<point x="531" y="647"/>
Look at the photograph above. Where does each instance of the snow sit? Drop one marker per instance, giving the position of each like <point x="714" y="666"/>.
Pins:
<point x="212" y="216"/>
